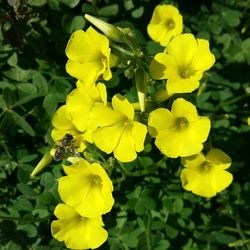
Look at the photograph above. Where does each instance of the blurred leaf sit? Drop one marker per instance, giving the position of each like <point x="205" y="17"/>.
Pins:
<point x="231" y="17"/>
<point x="223" y="238"/>
<point x="50" y="103"/>
<point x="70" y="24"/>
<point x="109" y="10"/>
<point x="20" y="121"/>
<point x="26" y="190"/>
<point x="37" y="3"/>
<point x="137" y="13"/>
<point x="12" y="60"/>
<point x="22" y="204"/>
<point x="40" y="81"/>
<point x="70" y="3"/>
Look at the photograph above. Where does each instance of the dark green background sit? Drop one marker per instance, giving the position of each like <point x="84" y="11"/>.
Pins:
<point x="151" y="211"/>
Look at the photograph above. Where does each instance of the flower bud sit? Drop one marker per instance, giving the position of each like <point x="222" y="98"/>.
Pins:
<point x="43" y="163"/>
<point x="108" y="29"/>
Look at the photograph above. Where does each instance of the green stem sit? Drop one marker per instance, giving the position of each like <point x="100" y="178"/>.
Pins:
<point x="231" y="101"/>
<point x="122" y="50"/>
<point x="148" y="232"/>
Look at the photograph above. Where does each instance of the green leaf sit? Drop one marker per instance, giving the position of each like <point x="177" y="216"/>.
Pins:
<point x="50" y="103"/>
<point x="47" y="180"/>
<point x="37" y="3"/>
<point x="12" y="60"/>
<point x="178" y="205"/>
<point x="70" y="3"/>
<point x="30" y="229"/>
<point x="40" y="81"/>
<point x="26" y="190"/>
<point x="109" y="10"/>
<point x="88" y="9"/>
<point x="223" y="238"/>
<point x="137" y="13"/>
<point x="171" y="231"/>
<point x="26" y="88"/>
<point x="231" y="17"/>
<point x="18" y="74"/>
<point x="20" y="121"/>
<point x="22" y="204"/>
<point x="70" y="24"/>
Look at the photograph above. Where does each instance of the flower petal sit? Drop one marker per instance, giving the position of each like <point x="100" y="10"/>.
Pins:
<point x="122" y="105"/>
<point x="218" y="158"/>
<point x="139" y="132"/>
<point x="203" y="58"/>
<point x="125" y="150"/>
<point x="182" y="48"/>
<point x="183" y="108"/>
<point x="107" y="138"/>
<point x="160" y="119"/>
<point x="221" y="179"/>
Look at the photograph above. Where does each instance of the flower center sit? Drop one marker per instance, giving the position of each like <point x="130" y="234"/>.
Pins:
<point x="206" y="166"/>
<point x="97" y="180"/>
<point x="186" y="73"/>
<point x="182" y="122"/>
<point x="170" y="24"/>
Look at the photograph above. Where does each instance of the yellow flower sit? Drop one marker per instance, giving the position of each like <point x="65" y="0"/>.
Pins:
<point x="117" y="131"/>
<point x="180" y="132"/>
<point x="80" y="102"/>
<point x="166" y="22"/>
<point x="248" y="121"/>
<point x="86" y="187"/>
<point x="206" y="175"/>
<point x="76" y="231"/>
<point x="89" y="56"/>
<point x="62" y="125"/>
<point x="183" y="64"/>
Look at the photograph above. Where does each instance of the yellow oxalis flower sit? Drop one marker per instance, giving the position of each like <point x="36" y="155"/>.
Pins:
<point x="86" y="187"/>
<point x="80" y="102"/>
<point x="89" y="56"/>
<point x="117" y="131"/>
<point x="62" y="125"/>
<point x="206" y="175"/>
<point x="76" y="231"/>
<point x="166" y="22"/>
<point x="180" y="132"/>
<point x="183" y="64"/>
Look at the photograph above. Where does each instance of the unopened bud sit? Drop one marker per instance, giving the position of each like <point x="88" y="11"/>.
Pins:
<point x="43" y="163"/>
<point x="108" y="29"/>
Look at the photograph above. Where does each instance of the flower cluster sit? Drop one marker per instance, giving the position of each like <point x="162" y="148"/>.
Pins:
<point x="91" y="121"/>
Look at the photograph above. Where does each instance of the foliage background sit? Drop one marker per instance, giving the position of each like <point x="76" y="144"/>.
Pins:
<point x="151" y="211"/>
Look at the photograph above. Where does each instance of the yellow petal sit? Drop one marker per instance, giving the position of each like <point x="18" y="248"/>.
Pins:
<point x="95" y="235"/>
<point x="218" y="158"/>
<point x="194" y="161"/>
<point x="139" y="132"/>
<point x="64" y="212"/>
<point x="86" y="72"/>
<point x="107" y="138"/>
<point x="102" y="115"/>
<point x="125" y="150"/>
<point x="182" y="48"/>
<point x="199" y="184"/>
<point x="61" y="119"/>
<point x="158" y="66"/>
<point x="175" y="86"/>
<point x="65" y="186"/>
<point x="122" y="105"/>
<point x="221" y="179"/>
<point x="201" y="128"/>
<point x="203" y="58"/>
<point x="183" y="108"/>
<point x="160" y="119"/>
